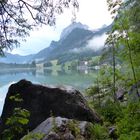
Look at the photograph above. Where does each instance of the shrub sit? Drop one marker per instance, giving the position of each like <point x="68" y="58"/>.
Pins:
<point x="16" y="123"/>
<point x="128" y="127"/>
<point x="111" y="111"/>
<point x="98" y="132"/>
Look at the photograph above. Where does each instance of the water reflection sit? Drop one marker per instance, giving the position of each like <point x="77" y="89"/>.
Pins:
<point x="79" y="79"/>
<point x="47" y="76"/>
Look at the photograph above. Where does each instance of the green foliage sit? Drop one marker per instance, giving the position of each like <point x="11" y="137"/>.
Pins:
<point x="73" y="127"/>
<point x="19" y="116"/>
<point x="129" y="125"/>
<point x="48" y="64"/>
<point x="16" y="98"/>
<point x="16" y="123"/>
<point x="98" y="132"/>
<point x="111" y="111"/>
<point x="34" y="136"/>
<point x="125" y="38"/>
<point x="93" y="90"/>
<point x="54" y="125"/>
<point x="12" y="65"/>
<point x="124" y="116"/>
<point x="33" y="64"/>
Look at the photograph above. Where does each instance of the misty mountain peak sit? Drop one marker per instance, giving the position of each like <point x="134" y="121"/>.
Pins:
<point x="71" y="27"/>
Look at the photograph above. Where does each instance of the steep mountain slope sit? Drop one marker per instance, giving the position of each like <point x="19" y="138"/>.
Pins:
<point x="45" y="52"/>
<point x="73" y="45"/>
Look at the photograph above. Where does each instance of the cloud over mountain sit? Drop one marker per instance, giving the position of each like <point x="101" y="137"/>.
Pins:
<point x="97" y="42"/>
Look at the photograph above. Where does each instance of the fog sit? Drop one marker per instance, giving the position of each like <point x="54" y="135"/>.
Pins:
<point x="97" y="42"/>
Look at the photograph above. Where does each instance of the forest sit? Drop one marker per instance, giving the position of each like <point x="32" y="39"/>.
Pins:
<point x="116" y="94"/>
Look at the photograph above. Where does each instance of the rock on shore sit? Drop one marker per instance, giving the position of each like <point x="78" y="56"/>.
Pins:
<point x="42" y="101"/>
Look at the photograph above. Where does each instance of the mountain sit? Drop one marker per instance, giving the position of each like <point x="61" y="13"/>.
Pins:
<point x="55" y="45"/>
<point x="71" y="27"/>
<point x="73" y="44"/>
<point x="15" y="58"/>
<point x="45" y="52"/>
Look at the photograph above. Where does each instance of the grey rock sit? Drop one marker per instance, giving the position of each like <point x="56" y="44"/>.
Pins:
<point x="120" y="94"/>
<point x="135" y="91"/>
<point x="51" y="129"/>
<point x="68" y="136"/>
<point x="82" y="126"/>
<point x="46" y="126"/>
<point x="112" y="132"/>
<point x="52" y="136"/>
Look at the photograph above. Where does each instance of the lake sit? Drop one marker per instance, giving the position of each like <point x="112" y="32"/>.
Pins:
<point x="78" y="79"/>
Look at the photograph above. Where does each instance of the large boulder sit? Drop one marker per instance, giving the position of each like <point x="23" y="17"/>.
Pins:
<point x="42" y="101"/>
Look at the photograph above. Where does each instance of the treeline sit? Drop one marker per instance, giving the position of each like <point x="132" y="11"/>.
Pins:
<point x="116" y="94"/>
<point x="14" y="65"/>
<point x="123" y="47"/>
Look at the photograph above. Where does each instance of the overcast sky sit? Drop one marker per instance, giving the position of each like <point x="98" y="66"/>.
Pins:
<point x="93" y="13"/>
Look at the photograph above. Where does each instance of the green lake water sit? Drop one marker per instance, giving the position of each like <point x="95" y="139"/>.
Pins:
<point x="80" y="80"/>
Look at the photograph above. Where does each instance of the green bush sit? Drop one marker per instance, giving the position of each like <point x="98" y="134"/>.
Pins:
<point x="111" y="111"/>
<point x="73" y="127"/>
<point x="128" y="127"/>
<point x="33" y="136"/>
<point x="98" y="132"/>
<point x="16" y="123"/>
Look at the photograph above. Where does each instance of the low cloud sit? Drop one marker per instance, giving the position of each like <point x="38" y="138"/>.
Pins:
<point x="97" y="42"/>
<point x="78" y="50"/>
